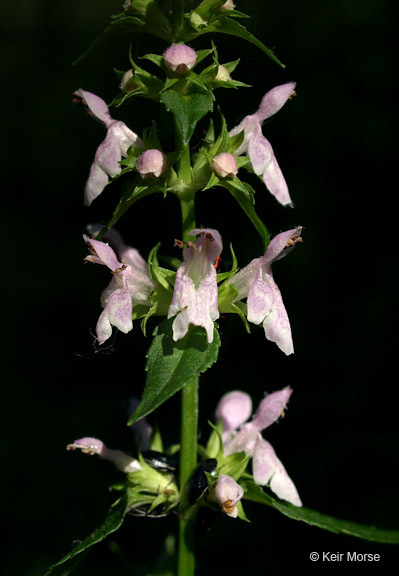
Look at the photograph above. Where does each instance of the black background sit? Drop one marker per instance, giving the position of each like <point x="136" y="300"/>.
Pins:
<point x="336" y="143"/>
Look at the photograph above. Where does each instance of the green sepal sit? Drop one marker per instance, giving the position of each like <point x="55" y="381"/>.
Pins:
<point x="214" y="446"/>
<point x="156" y="442"/>
<point x="234" y="465"/>
<point x="255" y="493"/>
<point x="111" y="523"/>
<point x="212" y="182"/>
<point x="235" y="142"/>
<point x="171" y="365"/>
<point x="222" y="276"/>
<point x="241" y="513"/>
<point x="148" y="86"/>
<point x="227" y="293"/>
<point x="163" y="276"/>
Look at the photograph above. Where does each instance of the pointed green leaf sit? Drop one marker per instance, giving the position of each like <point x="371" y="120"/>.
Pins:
<point x="125" y="25"/>
<point x="171" y="365"/>
<point x="112" y="522"/>
<point x="226" y="25"/>
<point x="245" y="199"/>
<point x="256" y="494"/>
<point x="188" y="109"/>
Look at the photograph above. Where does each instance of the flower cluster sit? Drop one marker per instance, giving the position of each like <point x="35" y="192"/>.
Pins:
<point x="195" y="294"/>
<point x="234" y="410"/>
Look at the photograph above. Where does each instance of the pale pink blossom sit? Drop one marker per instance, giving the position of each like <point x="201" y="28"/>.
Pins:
<point x="267" y="469"/>
<point x="258" y="148"/>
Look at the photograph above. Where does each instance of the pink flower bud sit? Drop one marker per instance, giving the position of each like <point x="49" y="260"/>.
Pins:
<point x="225" y="165"/>
<point x="152" y="164"/>
<point x="180" y="58"/>
<point x="227" y="494"/>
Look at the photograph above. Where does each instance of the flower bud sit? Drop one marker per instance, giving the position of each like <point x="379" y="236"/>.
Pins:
<point x="227" y="493"/>
<point x="152" y="164"/>
<point x="229" y="5"/>
<point x="225" y="165"/>
<point x="223" y="75"/>
<point x="180" y="59"/>
<point x="127" y="83"/>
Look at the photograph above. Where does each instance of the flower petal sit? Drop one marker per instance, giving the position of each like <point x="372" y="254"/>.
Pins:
<point x="193" y="305"/>
<point x="281" y="245"/>
<point x="96" y="105"/>
<point x="268" y="469"/>
<point x="102" y="253"/>
<point x="118" y="313"/>
<point x="234" y="409"/>
<point x="274" y="100"/>
<point x="265" y="304"/>
<point x="276" y="323"/>
<point x="227" y="493"/>
<point x="271" y="408"/>
<point x="264" y="163"/>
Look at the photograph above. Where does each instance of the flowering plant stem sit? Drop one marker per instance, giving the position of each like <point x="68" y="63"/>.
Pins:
<point x="188" y="461"/>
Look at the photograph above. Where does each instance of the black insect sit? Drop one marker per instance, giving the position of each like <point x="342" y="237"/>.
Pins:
<point x="198" y="482"/>
<point x="160" y="461"/>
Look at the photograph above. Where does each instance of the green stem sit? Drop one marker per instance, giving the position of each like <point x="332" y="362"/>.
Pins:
<point x="188" y="462"/>
<point x="188" y="216"/>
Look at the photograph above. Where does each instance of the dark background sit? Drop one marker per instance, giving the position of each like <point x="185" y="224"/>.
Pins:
<point x="336" y="143"/>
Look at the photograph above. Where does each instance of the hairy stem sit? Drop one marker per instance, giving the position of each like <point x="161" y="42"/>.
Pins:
<point x="188" y="461"/>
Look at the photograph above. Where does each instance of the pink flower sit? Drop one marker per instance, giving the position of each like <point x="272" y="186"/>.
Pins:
<point x="259" y="148"/>
<point x="130" y="284"/>
<point x="195" y="296"/>
<point x="264" y="302"/>
<point x="233" y="409"/>
<point x="121" y="460"/>
<point x="118" y="140"/>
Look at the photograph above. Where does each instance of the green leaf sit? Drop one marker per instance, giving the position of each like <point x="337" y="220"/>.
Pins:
<point x="255" y="493"/>
<point x="242" y="193"/>
<point x="171" y="365"/>
<point x="187" y="109"/>
<point x="112" y="522"/>
<point x="225" y="25"/>
<point x="125" y="25"/>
